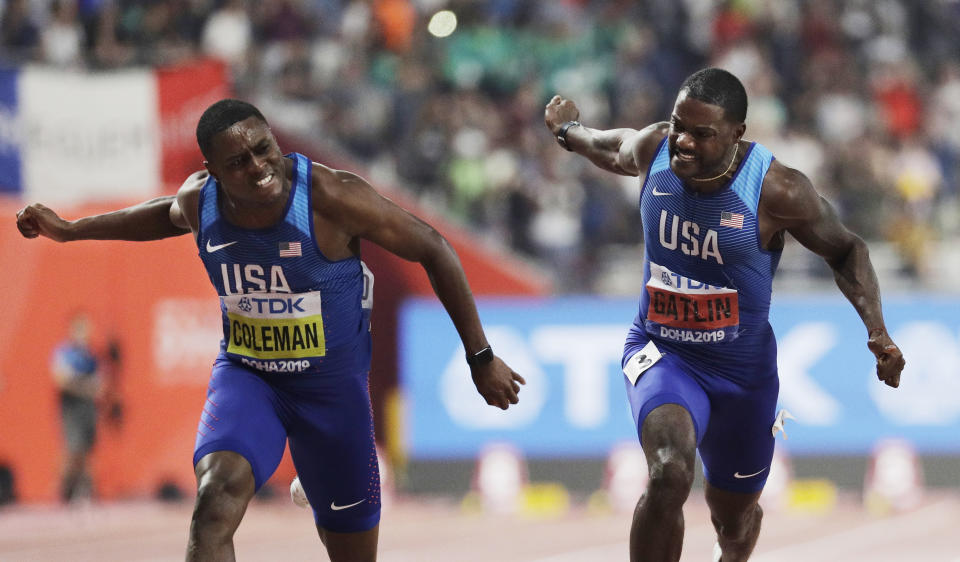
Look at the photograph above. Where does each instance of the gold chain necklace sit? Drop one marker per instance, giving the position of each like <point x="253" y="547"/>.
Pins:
<point x="732" y="160"/>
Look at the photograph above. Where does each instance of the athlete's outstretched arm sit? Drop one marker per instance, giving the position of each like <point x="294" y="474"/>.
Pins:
<point x="150" y="220"/>
<point x="799" y="209"/>
<point x="161" y="217"/>
<point x="351" y="202"/>
<point x="621" y="151"/>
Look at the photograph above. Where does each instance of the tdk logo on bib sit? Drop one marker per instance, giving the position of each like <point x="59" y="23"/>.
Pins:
<point x="271" y="306"/>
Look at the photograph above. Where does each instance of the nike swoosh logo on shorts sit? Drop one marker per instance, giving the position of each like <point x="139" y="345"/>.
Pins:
<point x="738" y="475"/>
<point x="335" y="507"/>
<point x="211" y="249"/>
<point x="660" y="193"/>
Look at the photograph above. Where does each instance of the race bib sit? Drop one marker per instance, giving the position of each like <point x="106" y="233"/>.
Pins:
<point x="641" y="361"/>
<point x="685" y="310"/>
<point x="275" y="325"/>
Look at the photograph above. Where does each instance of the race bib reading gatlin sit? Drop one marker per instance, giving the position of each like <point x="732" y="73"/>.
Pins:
<point x="685" y="310"/>
<point x="275" y="325"/>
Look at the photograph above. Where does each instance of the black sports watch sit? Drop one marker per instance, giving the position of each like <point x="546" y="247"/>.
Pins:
<point x="562" y="134"/>
<point x="481" y="357"/>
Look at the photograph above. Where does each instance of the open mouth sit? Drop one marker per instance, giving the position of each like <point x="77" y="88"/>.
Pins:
<point x="264" y="181"/>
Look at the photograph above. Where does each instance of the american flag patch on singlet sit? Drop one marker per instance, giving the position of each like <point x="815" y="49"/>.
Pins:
<point x="290" y="250"/>
<point x="733" y="220"/>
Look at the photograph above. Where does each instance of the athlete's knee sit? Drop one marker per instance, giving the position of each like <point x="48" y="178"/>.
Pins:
<point x="671" y="475"/>
<point x="214" y="492"/>
<point x="669" y="443"/>
<point x="224" y="487"/>
<point x="739" y="526"/>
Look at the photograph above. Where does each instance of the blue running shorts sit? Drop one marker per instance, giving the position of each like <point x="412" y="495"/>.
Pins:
<point x="329" y="424"/>
<point x="733" y="423"/>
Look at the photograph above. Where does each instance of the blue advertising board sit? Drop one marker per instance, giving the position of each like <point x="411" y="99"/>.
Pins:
<point x="10" y="173"/>
<point x="573" y="404"/>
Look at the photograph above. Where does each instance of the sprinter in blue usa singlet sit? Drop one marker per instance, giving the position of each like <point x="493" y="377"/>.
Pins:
<point x="705" y="306"/>
<point x="296" y="336"/>
<point x="280" y="238"/>
<point x="699" y="362"/>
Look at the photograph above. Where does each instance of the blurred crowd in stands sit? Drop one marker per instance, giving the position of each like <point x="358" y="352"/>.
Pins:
<point x="862" y="95"/>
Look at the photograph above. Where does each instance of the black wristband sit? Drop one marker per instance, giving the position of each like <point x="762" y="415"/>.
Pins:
<point x="562" y="134"/>
<point x="481" y="357"/>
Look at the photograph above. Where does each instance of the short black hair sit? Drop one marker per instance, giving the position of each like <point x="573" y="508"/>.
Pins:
<point x="219" y="117"/>
<point x="718" y="87"/>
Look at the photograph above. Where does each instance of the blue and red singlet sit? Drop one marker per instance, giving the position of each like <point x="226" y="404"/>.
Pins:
<point x="704" y="308"/>
<point x="707" y="278"/>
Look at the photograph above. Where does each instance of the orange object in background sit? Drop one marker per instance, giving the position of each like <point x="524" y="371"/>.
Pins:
<point x="396" y="20"/>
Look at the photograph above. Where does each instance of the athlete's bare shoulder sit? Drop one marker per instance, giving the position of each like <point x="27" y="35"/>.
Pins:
<point x="330" y="184"/>
<point x="649" y="139"/>
<point x="788" y="196"/>
<point x="193" y="184"/>
<point x="327" y="174"/>
<point x="339" y="195"/>
<point x="641" y="146"/>
<point x="188" y="199"/>
<point x="349" y="204"/>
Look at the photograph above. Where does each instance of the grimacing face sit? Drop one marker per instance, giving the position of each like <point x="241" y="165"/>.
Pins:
<point x="248" y="163"/>
<point x="701" y="138"/>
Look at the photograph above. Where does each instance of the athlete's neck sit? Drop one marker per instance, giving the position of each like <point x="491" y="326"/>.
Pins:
<point x="246" y="214"/>
<point x="706" y="185"/>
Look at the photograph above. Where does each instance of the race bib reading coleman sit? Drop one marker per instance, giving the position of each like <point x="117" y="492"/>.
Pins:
<point x="275" y="331"/>
<point x="685" y="310"/>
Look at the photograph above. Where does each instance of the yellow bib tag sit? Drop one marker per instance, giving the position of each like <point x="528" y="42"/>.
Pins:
<point x="275" y="325"/>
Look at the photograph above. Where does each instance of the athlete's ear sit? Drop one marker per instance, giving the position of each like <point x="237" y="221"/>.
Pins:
<point x="206" y="164"/>
<point x="741" y="128"/>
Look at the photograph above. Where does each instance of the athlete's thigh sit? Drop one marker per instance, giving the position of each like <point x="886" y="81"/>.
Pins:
<point x="333" y="448"/>
<point x="240" y="415"/>
<point x="667" y="382"/>
<point x="738" y="446"/>
<point x="349" y="547"/>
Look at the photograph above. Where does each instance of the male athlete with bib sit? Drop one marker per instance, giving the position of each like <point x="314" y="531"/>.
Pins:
<point x="700" y="359"/>
<point x="280" y="239"/>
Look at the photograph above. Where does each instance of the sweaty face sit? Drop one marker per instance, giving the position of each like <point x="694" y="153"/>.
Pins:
<point x="700" y="139"/>
<point x="248" y="163"/>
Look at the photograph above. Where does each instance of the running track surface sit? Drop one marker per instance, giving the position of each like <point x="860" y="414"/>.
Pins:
<point x="429" y="529"/>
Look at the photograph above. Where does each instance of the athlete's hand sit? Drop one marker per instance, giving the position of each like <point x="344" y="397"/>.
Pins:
<point x="559" y="111"/>
<point x="497" y="383"/>
<point x="890" y="360"/>
<point x="39" y="220"/>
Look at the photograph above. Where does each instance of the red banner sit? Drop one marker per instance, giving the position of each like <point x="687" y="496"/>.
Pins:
<point x="183" y="93"/>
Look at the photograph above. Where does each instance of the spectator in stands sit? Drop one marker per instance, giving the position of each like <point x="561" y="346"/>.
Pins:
<point x="228" y="35"/>
<point x="19" y="35"/>
<point x="62" y="39"/>
<point x="110" y="47"/>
